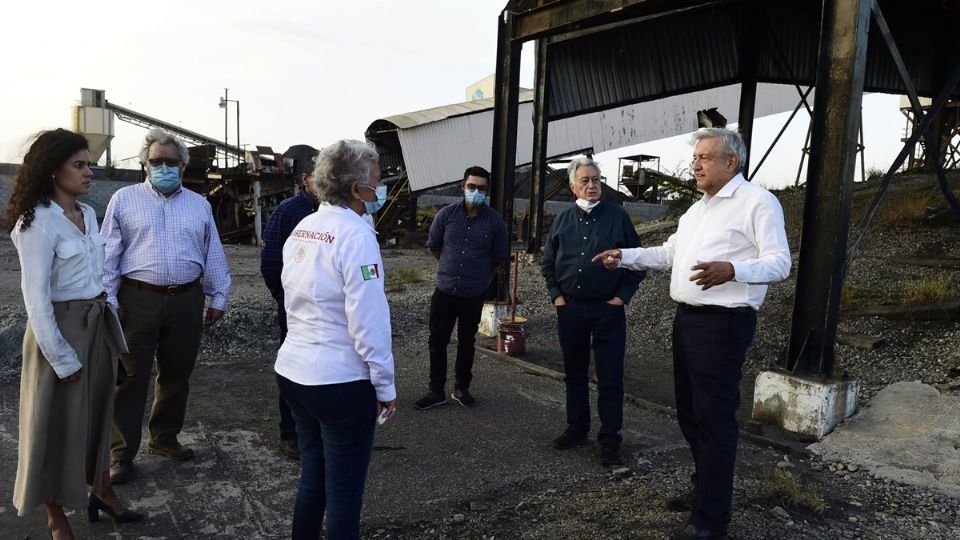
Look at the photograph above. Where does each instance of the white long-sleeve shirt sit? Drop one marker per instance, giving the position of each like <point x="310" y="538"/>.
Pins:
<point x="58" y="263"/>
<point x="742" y="224"/>
<point x="338" y="320"/>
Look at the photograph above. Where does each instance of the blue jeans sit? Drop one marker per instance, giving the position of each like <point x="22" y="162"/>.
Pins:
<point x="335" y="427"/>
<point x="596" y="325"/>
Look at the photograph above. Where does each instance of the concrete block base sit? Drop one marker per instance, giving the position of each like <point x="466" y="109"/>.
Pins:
<point x="809" y="407"/>
<point x="492" y="312"/>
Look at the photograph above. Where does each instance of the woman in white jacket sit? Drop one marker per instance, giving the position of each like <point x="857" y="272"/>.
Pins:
<point x="69" y="355"/>
<point x="335" y="367"/>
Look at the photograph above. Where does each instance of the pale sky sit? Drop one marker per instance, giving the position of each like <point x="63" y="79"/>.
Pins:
<point x="304" y="72"/>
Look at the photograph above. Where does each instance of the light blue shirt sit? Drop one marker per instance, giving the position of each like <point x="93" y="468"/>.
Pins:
<point x="163" y="241"/>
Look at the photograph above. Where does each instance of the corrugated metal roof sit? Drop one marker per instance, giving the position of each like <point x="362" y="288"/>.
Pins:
<point x="435" y="114"/>
<point x="692" y="50"/>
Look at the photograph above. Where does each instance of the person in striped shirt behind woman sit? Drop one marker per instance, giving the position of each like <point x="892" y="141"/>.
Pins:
<point x="163" y="258"/>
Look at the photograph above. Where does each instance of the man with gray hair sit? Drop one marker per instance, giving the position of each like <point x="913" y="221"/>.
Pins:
<point x="728" y="247"/>
<point x="163" y="257"/>
<point x="590" y="307"/>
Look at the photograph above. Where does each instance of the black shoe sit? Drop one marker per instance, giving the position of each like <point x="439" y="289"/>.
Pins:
<point x="682" y="503"/>
<point x="610" y="455"/>
<point x="692" y="532"/>
<point x="430" y="400"/>
<point x="464" y="398"/>
<point x="569" y="439"/>
<point x="289" y="448"/>
<point x="95" y="506"/>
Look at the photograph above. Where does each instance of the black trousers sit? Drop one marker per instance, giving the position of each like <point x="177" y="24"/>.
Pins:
<point x="602" y="327"/>
<point x="288" y="428"/>
<point x="445" y="311"/>
<point x="709" y="347"/>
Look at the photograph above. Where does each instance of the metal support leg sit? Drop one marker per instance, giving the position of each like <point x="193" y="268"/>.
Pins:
<point x="539" y="160"/>
<point x="837" y="110"/>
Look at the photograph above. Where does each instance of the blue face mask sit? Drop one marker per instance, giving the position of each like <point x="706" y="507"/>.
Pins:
<point x="381" y="192"/>
<point x="474" y="198"/>
<point x="165" y="178"/>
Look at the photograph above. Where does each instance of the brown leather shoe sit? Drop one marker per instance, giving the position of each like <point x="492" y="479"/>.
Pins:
<point x="173" y="450"/>
<point x="121" y="472"/>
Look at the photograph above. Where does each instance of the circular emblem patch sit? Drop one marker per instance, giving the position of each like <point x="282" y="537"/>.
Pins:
<point x="301" y="253"/>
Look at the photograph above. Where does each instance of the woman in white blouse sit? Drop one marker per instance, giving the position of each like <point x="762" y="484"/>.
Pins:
<point x="335" y="367"/>
<point x="69" y="353"/>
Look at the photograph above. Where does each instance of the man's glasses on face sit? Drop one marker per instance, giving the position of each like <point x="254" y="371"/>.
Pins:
<point x="584" y="180"/>
<point x="169" y="162"/>
<point x="474" y="187"/>
<point x="702" y="158"/>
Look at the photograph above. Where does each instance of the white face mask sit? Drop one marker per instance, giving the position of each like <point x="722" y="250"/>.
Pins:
<point x="586" y="205"/>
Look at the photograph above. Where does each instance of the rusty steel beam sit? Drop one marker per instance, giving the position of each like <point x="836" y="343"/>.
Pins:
<point x="504" y="155"/>
<point x="538" y="176"/>
<point x="826" y="212"/>
<point x="561" y="17"/>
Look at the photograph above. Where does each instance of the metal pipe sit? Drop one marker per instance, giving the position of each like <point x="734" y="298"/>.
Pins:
<point x="504" y="155"/>
<point x="539" y="160"/>
<point x="226" y="142"/>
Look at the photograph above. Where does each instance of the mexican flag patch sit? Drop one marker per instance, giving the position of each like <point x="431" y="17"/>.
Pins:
<point x="369" y="272"/>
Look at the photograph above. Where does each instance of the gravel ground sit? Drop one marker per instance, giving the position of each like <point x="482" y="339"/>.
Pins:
<point x="623" y="503"/>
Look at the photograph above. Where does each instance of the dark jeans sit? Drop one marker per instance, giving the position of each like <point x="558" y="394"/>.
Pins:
<point x="335" y="425"/>
<point x="583" y="325"/>
<point x="445" y="311"/>
<point x="168" y="328"/>
<point x="708" y="353"/>
<point x="288" y="429"/>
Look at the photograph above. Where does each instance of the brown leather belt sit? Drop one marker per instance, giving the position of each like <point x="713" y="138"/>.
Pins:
<point x="162" y="289"/>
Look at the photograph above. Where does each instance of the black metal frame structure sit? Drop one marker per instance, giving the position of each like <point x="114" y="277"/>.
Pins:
<point x="599" y="54"/>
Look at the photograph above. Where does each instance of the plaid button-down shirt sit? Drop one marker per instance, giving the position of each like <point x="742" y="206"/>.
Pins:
<point x="163" y="241"/>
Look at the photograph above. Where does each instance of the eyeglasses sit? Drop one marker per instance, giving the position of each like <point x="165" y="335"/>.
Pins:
<point x="702" y="158"/>
<point x="169" y="162"/>
<point x="588" y="180"/>
<point x="474" y="187"/>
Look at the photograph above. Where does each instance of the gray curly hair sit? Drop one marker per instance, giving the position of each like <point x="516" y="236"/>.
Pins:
<point x="731" y="143"/>
<point x="161" y="137"/>
<point x="338" y="166"/>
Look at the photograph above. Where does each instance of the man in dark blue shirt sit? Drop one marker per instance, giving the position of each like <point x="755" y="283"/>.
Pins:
<point x="590" y="307"/>
<point x="282" y="221"/>
<point x="468" y="239"/>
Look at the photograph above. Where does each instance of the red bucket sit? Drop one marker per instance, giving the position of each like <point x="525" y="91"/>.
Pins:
<point x="510" y="336"/>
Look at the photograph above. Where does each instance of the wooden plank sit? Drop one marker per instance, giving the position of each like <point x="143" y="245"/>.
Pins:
<point x="942" y="262"/>
<point x="861" y="341"/>
<point x="943" y="310"/>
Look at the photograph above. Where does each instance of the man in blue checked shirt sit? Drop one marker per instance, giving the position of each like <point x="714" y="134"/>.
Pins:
<point x="163" y="258"/>
<point x="468" y="238"/>
<point x="282" y="222"/>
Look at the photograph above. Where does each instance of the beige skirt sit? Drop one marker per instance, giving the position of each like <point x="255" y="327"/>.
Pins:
<point x="65" y="428"/>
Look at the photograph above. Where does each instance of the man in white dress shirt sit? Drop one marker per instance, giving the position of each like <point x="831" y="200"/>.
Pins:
<point x="728" y="247"/>
<point x="163" y="258"/>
